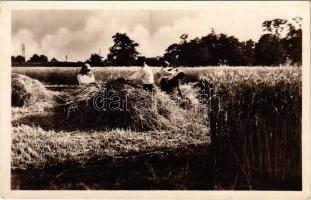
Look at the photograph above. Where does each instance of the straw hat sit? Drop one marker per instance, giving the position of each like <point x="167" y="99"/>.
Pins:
<point x="86" y="67"/>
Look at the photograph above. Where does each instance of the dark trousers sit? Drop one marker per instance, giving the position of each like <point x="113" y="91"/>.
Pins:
<point x="148" y="87"/>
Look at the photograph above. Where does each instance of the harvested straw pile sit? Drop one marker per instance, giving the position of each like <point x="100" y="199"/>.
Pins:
<point x="27" y="91"/>
<point x="120" y="104"/>
<point x="191" y="96"/>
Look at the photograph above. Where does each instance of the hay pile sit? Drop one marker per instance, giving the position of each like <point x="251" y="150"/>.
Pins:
<point x="27" y="91"/>
<point x="191" y="96"/>
<point x="120" y="104"/>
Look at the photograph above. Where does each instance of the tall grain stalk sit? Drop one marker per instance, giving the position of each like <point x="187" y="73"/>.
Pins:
<point x="256" y="131"/>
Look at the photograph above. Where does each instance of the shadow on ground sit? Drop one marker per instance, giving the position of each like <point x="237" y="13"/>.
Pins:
<point x="181" y="169"/>
<point x="50" y="120"/>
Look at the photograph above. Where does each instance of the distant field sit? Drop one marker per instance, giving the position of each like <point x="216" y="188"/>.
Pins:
<point x="67" y="75"/>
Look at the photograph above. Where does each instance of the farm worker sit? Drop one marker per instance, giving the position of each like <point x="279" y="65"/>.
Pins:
<point x="85" y="76"/>
<point x="144" y="76"/>
<point x="170" y="79"/>
<point x="165" y="72"/>
<point x="168" y="85"/>
<point x="173" y="71"/>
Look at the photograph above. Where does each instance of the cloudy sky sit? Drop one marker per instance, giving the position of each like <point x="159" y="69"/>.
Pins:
<point x="78" y="33"/>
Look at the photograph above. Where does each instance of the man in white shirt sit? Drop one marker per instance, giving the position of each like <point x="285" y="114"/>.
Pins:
<point x="144" y="76"/>
<point x="165" y="72"/>
<point x="168" y="79"/>
<point x="85" y="76"/>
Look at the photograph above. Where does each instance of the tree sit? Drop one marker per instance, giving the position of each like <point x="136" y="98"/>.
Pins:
<point x="18" y="58"/>
<point x="43" y="58"/>
<point x="155" y="61"/>
<point x="229" y="50"/>
<point x="248" y="52"/>
<point x="212" y="49"/>
<point x="293" y="41"/>
<point x="37" y="58"/>
<point x="172" y="54"/>
<point x="275" y="26"/>
<point x="95" y="60"/>
<point x="288" y="33"/>
<point x="293" y="45"/>
<point x="281" y="42"/>
<point x="210" y="42"/>
<point x="34" y="58"/>
<point x="183" y="38"/>
<point x="193" y="53"/>
<point x="269" y="51"/>
<point x="123" y="52"/>
<point x="54" y="60"/>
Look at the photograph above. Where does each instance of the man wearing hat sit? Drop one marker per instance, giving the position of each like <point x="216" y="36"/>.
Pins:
<point x="144" y="76"/>
<point x="165" y="72"/>
<point x="85" y="76"/>
<point x="169" y="79"/>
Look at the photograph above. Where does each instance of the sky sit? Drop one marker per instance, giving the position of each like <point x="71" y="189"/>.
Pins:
<point x="79" y="33"/>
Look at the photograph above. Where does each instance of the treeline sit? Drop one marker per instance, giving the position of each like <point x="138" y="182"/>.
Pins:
<point x="41" y="60"/>
<point x="47" y="64"/>
<point x="280" y="44"/>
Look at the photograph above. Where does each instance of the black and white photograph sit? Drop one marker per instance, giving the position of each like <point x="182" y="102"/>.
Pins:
<point x="204" y="97"/>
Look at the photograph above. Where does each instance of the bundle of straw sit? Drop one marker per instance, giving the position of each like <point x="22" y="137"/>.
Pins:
<point x="120" y="104"/>
<point x="27" y="91"/>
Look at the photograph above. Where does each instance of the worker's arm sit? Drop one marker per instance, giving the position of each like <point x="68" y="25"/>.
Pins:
<point x="91" y="79"/>
<point x="135" y="75"/>
<point x="165" y="73"/>
<point x="179" y="92"/>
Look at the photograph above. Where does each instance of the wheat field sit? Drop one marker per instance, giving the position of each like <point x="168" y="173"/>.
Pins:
<point x="251" y="119"/>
